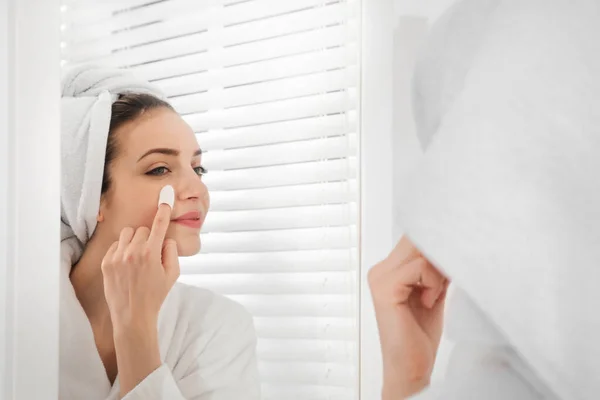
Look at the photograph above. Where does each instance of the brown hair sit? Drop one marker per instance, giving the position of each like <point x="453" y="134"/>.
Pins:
<point x="127" y="108"/>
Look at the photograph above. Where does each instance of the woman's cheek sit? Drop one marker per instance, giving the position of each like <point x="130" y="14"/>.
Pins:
<point x="149" y="215"/>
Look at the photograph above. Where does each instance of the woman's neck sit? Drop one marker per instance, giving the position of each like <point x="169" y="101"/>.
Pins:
<point x="86" y="278"/>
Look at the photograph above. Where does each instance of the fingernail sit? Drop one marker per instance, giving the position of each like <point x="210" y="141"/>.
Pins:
<point x="167" y="196"/>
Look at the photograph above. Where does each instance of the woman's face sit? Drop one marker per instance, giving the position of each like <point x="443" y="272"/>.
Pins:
<point x="155" y="150"/>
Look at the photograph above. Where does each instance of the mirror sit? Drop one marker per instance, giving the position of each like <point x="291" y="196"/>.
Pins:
<point x="269" y="91"/>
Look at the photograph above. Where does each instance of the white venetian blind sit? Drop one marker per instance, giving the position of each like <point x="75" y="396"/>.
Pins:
<point x="270" y="88"/>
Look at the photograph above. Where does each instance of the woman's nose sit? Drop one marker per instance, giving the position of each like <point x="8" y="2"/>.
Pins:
<point x="191" y="187"/>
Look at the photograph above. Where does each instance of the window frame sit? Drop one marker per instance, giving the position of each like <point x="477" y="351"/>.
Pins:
<point x="376" y="174"/>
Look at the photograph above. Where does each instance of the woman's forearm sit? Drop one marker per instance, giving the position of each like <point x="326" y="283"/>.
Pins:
<point x="138" y="355"/>
<point x="405" y="370"/>
<point x="395" y="387"/>
<point x="391" y="392"/>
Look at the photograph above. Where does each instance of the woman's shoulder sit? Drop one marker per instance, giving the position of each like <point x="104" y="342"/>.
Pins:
<point x="209" y="336"/>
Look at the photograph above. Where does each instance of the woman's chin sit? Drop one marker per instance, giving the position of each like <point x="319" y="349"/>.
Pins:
<point x="188" y="247"/>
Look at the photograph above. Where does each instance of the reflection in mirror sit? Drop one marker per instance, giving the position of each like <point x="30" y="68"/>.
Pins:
<point x="246" y="109"/>
<point x="502" y="106"/>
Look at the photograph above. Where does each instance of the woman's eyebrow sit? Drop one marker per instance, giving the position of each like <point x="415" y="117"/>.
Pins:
<point x="166" y="151"/>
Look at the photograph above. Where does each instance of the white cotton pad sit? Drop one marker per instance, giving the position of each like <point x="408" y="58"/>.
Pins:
<point x="167" y="196"/>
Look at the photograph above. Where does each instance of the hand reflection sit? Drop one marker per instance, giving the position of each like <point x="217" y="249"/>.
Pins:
<point x="408" y="295"/>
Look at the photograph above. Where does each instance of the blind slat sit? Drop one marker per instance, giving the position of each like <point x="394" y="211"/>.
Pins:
<point x="183" y="28"/>
<point x="201" y="41"/>
<point x="75" y="5"/>
<point x="307" y="350"/>
<point x="329" y="328"/>
<point x="135" y="28"/>
<point x="198" y="72"/>
<point x="317" y="283"/>
<point x="117" y="17"/>
<point x="279" y="197"/>
<point x="284" y="110"/>
<point x="281" y="218"/>
<point x="304" y="392"/>
<point x="283" y="153"/>
<point x="330" y="374"/>
<point x="261" y="71"/>
<point x="270" y="262"/>
<point x="283" y="175"/>
<point x="120" y="15"/>
<point x="280" y="240"/>
<point x="154" y="66"/>
<point x="270" y="91"/>
<point x="279" y="132"/>
<point x="339" y="306"/>
<point x="261" y="9"/>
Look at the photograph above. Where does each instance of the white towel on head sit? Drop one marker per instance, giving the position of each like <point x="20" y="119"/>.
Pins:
<point x="88" y="93"/>
<point x="507" y="198"/>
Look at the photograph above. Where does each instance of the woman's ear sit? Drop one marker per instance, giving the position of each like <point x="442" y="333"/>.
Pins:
<point x="100" y="216"/>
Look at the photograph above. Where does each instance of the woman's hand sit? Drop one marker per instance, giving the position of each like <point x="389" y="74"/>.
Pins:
<point x="408" y="295"/>
<point x="139" y="271"/>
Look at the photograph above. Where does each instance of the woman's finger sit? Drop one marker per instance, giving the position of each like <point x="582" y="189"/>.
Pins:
<point x="109" y="255"/>
<point x="160" y="226"/>
<point x="124" y="239"/>
<point x="141" y="236"/>
<point x="434" y="286"/>
<point x="403" y="271"/>
<point x="444" y="291"/>
<point x="405" y="279"/>
<point x="421" y="273"/>
<point x="170" y="260"/>
<point x="411" y="273"/>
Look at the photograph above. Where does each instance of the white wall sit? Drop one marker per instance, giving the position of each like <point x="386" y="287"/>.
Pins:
<point x="29" y="198"/>
<point x="3" y="187"/>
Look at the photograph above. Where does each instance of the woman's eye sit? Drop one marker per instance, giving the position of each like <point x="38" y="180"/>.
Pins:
<point x="200" y="170"/>
<point x="158" y="171"/>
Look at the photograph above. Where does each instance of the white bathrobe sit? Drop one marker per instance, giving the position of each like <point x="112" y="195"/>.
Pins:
<point x="506" y="201"/>
<point x="207" y="345"/>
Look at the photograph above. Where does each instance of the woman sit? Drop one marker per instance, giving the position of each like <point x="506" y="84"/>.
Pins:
<point x="128" y="330"/>
<point x="505" y="203"/>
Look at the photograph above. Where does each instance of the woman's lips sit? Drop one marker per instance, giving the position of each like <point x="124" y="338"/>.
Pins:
<point x="191" y="219"/>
